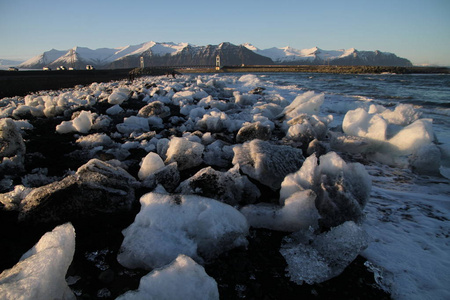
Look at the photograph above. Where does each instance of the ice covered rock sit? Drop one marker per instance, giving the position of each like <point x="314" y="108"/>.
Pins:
<point x="186" y="153"/>
<point x="114" y="110"/>
<point x="96" y="187"/>
<point x="267" y="163"/>
<point x="213" y="121"/>
<point x="151" y="163"/>
<point x="156" y="108"/>
<point x="269" y="110"/>
<point x="305" y="128"/>
<point x="95" y="140"/>
<point x="169" y="225"/>
<point x="182" y="279"/>
<point x="253" y="131"/>
<point x="317" y="258"/>
<point x="40" y="273"/>
<point x="133" y="124"/>
<point x="298" y="212"/>
<point x="167" y="176"/>
<point x="11" y="141"/>
<point x="219" y="154"/>
<point x="307" y="103"/>
<point x="245" y="99"/>
<point x="342" y="188"/>
<point x="229" y="187"/>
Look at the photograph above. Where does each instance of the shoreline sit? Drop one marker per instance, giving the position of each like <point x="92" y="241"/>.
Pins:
<point x="332" y="69"/>
<point x="21" y="83"/>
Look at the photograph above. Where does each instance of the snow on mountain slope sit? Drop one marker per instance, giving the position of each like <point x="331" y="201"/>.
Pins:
<point x="43" y="59"/>
<point x="101" y="56"/>
<point x="288" y="54"/>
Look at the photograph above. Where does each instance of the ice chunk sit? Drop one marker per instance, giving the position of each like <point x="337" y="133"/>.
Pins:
<point x="114" y="110"/>
<point x="151" y="163"/>
<point x="118" y="97"/>
<point x="169" y="225"/>
<point x="413" y="136"/>
<point x="267" y="163"/>
<point x="298" y="212"/>
<point x="307" y="103"/>
<point x="132" y="124"/>
<point x="218" y="154"/>
<point x="403" y="115"/>
<point x="186" y="153"/>
<point x="182" y="279"/>
<point x="229" y="187"/>
<point x="213" y="121"/>
<point x="342" y="188"/>
<point x="40" y="273"/>
<point x="315" y="259"/>
<point x="305" y="128"/>
<point x="360" y="123"/>
<point x="81" y="123"/>
<point x="426" y="160"/>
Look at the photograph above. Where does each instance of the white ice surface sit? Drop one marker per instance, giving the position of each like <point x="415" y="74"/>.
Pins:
<point x="169" y="225"/>
<point x="181" y="279"/>
<point x="40" y="273"/>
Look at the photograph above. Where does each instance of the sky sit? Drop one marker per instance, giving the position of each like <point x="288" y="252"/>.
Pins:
<point x="418" y="30"/>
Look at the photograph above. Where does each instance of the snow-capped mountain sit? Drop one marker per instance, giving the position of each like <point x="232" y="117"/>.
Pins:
<point x="317" y="56"/>
<point x="184" y="54"/>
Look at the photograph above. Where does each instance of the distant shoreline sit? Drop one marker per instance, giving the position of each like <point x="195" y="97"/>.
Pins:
<point x="321" y="69"/>
<point x="21" y="83"/>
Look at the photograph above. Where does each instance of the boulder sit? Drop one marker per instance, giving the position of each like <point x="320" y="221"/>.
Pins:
<point x="96" y="187"/>
<point x="253" y="131"/>
<point x="267" y="163"/>
<point x="156" y="108"/>
<point x="228" y="187"/>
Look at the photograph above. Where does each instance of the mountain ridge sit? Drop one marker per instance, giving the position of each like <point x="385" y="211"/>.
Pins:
<point x="185" y="54"/>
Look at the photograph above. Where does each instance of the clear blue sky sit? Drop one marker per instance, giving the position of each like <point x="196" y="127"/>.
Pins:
<point x="415" y="29"/>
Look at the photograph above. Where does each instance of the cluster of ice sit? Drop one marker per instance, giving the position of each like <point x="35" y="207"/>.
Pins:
<point x="315" y="258"/>
<point x="395" y="137"/>
<point x="173" y="224"/>
<point x="342" y="189"/>
<point x="181" y="279"/>
<point x="41" y="271"/>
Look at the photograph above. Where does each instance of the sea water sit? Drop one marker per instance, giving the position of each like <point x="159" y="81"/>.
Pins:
<point x="408" y="215"/>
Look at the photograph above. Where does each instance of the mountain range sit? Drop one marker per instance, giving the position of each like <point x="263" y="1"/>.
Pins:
<point x="184" y="54"/>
